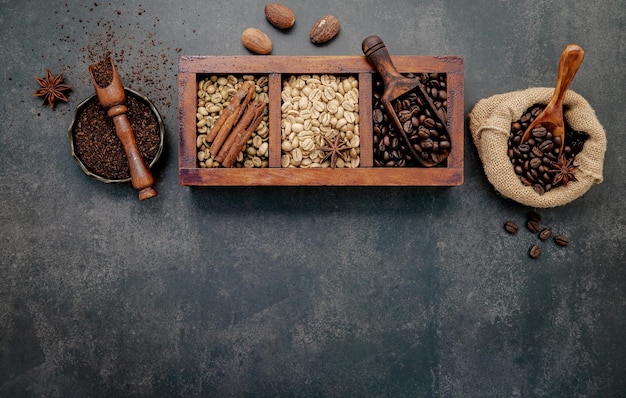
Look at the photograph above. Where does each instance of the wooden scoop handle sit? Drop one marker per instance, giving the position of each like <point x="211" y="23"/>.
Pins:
<point x="377" y="55"/>
<point x="571" y="58"/>
<point x="113" y="99"/>
<point x="140" y="174"/>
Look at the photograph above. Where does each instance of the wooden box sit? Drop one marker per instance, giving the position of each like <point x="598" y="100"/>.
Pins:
<point x="194" y="68"/>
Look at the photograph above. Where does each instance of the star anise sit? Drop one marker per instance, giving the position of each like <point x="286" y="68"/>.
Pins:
<point x="334" y="149"/>
<point x="564" y="169"/>
<point x="52" y="88"/>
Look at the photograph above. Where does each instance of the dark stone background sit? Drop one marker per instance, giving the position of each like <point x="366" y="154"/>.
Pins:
<point x="250" y="292"/>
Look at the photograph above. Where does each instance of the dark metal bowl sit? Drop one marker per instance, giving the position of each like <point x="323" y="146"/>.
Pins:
<point x="72" y="127"/>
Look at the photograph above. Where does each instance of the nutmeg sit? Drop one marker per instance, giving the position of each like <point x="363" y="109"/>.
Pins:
<point x="279" y="15"/>
<point x="324" y="29"/>
<point x="256" y="41"/>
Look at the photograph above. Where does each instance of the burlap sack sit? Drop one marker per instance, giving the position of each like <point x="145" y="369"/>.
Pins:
<point x="490" y="126"/>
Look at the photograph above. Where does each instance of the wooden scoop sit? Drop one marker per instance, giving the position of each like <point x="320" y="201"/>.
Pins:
<point x="397" y="85"/>
<point x="113" y="99"/>
<point x="552" y="116"/>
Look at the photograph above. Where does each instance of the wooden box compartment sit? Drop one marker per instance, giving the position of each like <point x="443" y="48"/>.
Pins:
<point x="193" y="68"/>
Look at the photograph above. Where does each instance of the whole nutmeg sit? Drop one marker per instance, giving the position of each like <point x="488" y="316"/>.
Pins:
<point x="256" y="41"/>
<point x="324" y="29"/>
<point x="279" y="15"/>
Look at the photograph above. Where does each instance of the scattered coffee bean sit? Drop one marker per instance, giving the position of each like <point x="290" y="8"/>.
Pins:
<point x="533" y="226"/>
<point x="533" y="216"/>
<point x="561" y="240"/>
<point x="534" y="251"/>
<point x="545" y="234"/>
<point x="511" y="227"/>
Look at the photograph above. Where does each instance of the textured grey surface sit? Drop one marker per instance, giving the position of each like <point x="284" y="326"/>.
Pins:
<point x="364" y="292"/>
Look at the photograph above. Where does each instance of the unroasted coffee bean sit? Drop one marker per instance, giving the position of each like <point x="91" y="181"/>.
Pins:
<point x="534" y="251"/>
<point x="561" y="240"/>
<point x="511" y="227"/>
<point x="533" y="226"/>
<point x="545" y="234"/>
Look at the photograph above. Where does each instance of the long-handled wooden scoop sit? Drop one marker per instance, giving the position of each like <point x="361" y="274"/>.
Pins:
<point x="397" y="85"/>
<point x="552" y="116"/>
<point x="113" y="99"/>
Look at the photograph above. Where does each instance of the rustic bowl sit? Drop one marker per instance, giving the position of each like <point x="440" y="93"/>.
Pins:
<point x="74" y="122"/>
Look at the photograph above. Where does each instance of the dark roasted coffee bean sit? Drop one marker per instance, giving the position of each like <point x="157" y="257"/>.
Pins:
<point x="537" y="152"/>
<point x="561" y="240"/>
<point x="427" y="144"/>
<point x="534" y="251"/>
<point x="539" y="189"/>
<point x="533" y="216"/>
<point x="533" y="226"/>
<point x="408" y="126"/>
<point x="546" y="146"/>
<point x="404" y="115"/>
<point x="511" y="227"/>
<point x="524" y="148"/>
<point x="539" y="132"/>
<point x="535" y="163"/>
<point x="545" y="234"/>
<point x="429" y="123"/>
<point x="377" y="116"/>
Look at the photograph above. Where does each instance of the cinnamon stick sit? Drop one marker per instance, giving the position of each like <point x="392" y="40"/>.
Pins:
<point x="241" y="133"/>
<point x="233" y="113"/>
<point x="231" y="108"/>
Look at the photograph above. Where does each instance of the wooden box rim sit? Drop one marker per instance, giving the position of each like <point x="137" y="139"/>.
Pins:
<point x="276" y="67"/>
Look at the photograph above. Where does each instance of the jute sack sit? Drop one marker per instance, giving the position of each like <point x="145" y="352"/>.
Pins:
<point x="490" y="125"/>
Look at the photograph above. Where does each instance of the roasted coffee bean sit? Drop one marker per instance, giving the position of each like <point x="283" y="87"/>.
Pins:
<point x="511" y="227"/>
<point x="537" y="152"/>
<point x="533" y="216"/>
<point x="425" y="133"/>
<point x="535" y="163"/>
<point x="561" y="240"/>
<point x="533" y="226"/>
<point x="541" y="145"/>
<point x="377" y="116"/>
<point x="534" y="251"/>
<point x="546" y="146"/>
<point x="545" y="234"/>
<point x="539" y="132"/>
